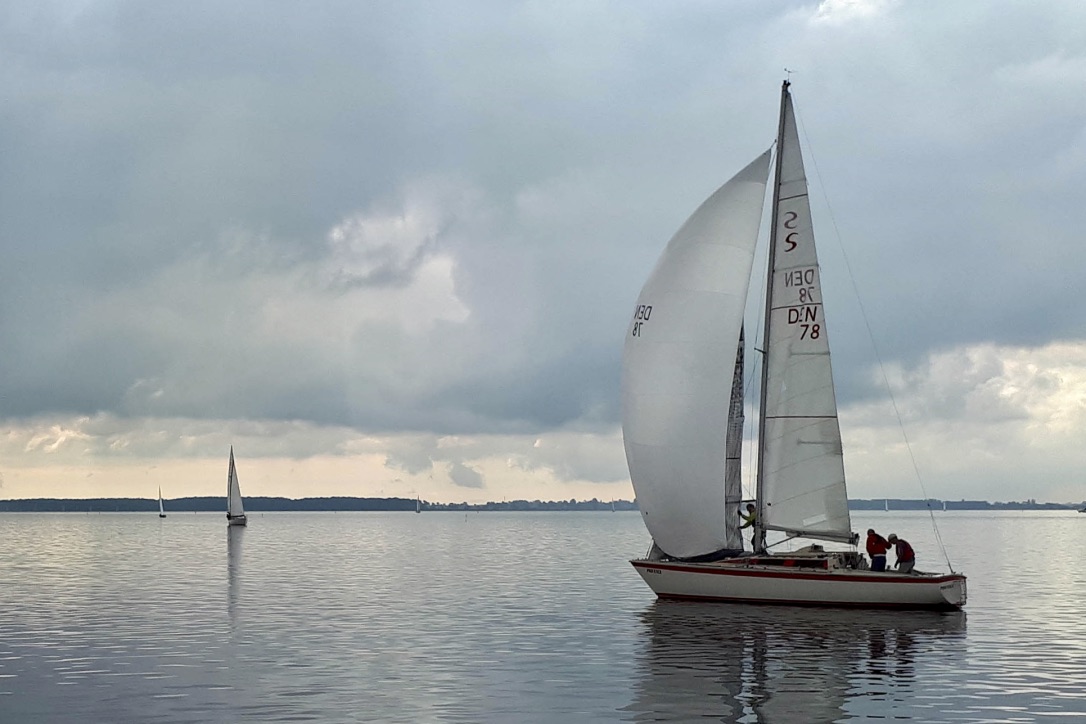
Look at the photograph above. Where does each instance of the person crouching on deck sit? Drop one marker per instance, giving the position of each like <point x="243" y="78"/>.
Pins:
<point x="877" y="546"/>
<point x="906" y="559"/>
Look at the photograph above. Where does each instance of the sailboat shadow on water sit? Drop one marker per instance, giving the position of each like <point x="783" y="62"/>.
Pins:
<point x="678" y="409"/>
<point x="785" y="664"/>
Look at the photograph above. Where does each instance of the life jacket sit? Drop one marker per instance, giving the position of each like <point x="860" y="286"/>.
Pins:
<point x="904" y="551"/>
<point x="877" y="545"/>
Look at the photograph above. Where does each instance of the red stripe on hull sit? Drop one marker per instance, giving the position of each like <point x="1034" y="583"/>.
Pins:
<point x="812" y="604"/>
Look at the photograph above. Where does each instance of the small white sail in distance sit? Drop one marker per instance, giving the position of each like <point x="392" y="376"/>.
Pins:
<point x="234" y="505"/>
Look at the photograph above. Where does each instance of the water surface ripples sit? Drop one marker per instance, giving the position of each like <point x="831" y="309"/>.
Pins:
<point x="503" y="617"/>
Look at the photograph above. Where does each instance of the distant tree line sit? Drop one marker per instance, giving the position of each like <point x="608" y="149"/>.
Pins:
<point x="256" y="504"/>
<point x="203" y="504"/>
<point x="937" y="504"/>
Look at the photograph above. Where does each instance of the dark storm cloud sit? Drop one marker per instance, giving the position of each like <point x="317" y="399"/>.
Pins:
<point x="175" y="176"/>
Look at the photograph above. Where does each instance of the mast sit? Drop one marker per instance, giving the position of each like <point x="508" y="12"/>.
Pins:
<point x="759" y="523"/>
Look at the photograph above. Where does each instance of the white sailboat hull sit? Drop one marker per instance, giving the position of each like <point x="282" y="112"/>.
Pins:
<point x="236" y="520"/>
<point x="736" y="582"/>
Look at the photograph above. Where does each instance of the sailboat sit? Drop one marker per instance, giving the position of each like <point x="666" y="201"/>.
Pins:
<point x="418" y="504"/>
<point x="161" y="512"/>
<point x="682" y="414"/>
<point x="235" y="511"/>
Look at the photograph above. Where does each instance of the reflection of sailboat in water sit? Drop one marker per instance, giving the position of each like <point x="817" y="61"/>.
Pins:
<point x="748" y="663"/>
<point x="234" y="536"/>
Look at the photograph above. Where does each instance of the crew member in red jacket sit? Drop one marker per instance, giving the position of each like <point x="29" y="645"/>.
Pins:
<point x="906" y="559"/>
<point x="876" y="548"/>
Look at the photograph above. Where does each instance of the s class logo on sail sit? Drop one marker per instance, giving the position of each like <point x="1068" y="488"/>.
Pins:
<point x="790" y="242"/>
<point x="644" y="311"/>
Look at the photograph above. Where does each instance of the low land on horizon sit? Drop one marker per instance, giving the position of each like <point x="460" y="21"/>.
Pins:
<point x="258" y="504"/>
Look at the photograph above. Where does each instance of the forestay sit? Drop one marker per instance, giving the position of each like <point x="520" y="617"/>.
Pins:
<point x="676" y="390"/>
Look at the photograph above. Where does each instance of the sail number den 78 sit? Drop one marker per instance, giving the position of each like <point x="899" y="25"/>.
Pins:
<point x="805" y="314"/>
<point x="644" y="311"/>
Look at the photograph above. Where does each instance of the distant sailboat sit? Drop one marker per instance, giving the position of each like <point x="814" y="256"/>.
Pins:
<point x="612" y="505"/>
<point x="418" y="504"/>
<point x="161" y="512"/>
<point x="235" y="511"/>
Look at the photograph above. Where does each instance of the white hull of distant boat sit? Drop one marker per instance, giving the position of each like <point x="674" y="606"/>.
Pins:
<point x="739" y="582"/>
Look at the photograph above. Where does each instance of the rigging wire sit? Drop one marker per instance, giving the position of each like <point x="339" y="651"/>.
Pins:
<point x="874" y="345"/>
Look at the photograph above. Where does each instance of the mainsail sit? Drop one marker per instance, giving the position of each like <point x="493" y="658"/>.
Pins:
<point x="801" y="469"/>
<point x="676" y="397"/>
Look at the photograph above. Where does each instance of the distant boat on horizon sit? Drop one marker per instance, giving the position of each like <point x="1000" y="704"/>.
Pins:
<point x="235" y="511"/>
<point x="161" y="512"/>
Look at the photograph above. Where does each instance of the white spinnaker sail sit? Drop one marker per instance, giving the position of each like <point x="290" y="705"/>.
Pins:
<point x="680" y="348"/>
<point x="233" y="490"/>
<point x="803" y="476"/>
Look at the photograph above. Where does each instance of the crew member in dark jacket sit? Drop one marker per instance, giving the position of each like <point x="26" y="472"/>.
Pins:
<point x="906" y="559"/>
<point x="877" y="546"/>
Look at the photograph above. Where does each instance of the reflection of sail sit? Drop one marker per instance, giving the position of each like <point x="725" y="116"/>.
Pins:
<point x="234" y="536"/>
<point x="783" y="664"/>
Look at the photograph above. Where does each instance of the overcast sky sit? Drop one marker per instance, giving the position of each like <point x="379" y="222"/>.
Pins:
<point x="392" y="248"/>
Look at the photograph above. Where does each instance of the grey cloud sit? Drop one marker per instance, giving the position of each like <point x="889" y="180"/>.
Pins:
<point x="464" y="476"/>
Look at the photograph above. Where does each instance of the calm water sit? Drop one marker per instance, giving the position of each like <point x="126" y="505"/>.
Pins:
<point x="505" y="617"/>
